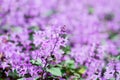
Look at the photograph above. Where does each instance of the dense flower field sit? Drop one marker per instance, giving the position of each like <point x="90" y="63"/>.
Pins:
<point x="59" y="39"/>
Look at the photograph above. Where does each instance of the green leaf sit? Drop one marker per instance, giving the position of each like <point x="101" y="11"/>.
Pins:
<point x="118" y="57"/>
<point x="82" y="70"/>
<point x="66" y="49"/>
<point x="20" y="79"/>
<point x="36" y="62"/>
<point x="31" y="37"/>
<point x="90" y="10"/>
<point x="77" y="75"/>
<point x="70" y="64"/>
<point x="34" y="28"/>
<point x="37" y="78"/>
<point x="56" y="71"/>
<point x="13" y="74"/>
<point x="113" y="36"/>
<point x="1" y="79"/>
<point x="112" y="79"/>
<point x="32" y="61"/>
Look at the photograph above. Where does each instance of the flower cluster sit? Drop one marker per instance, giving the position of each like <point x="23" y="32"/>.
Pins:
<point x="29" y="54"/>
<point x="60" y="39"/>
